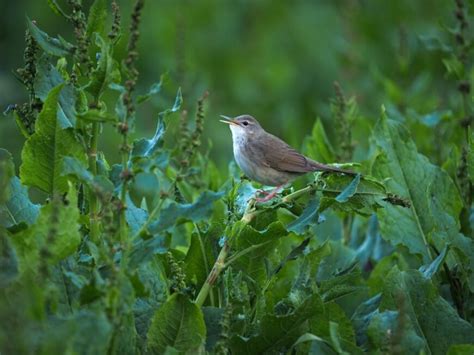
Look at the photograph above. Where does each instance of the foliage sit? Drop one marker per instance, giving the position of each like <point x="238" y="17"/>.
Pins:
<point x="163" y="253"/>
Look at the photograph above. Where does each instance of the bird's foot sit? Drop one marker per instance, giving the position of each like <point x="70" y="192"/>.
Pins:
<point x="268" y="195"/>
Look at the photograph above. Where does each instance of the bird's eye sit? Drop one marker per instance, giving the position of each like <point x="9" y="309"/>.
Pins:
<point x="245" y="123"/>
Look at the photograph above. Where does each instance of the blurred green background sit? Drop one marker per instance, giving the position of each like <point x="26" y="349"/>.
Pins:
<point x="276" y="60"/>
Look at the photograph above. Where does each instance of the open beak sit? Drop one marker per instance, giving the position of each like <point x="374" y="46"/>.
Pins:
<point x="229" y="120"/>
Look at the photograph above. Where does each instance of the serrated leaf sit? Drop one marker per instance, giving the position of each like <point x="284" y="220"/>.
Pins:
<point x="97" y="18"/>
<point x="413" y="176"/>
<point x="44" y="150"/>
<point x="178" y="323"/>
<point x="276" y="333"/>
<point x="18" y="208"/>
<point x="195" y="212"/>
<point x="433" y="318"/>
<point x="51" y="45"/>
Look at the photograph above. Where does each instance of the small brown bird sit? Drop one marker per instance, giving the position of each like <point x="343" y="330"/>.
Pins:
<point x="266" y="158"/>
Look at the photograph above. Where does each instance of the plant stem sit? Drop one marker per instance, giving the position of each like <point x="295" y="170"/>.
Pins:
<point x="93" y="201"/>
<point x="213" y="275"/>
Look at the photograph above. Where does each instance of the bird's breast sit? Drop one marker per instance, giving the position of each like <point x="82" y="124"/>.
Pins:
<point x="254" y="167"/>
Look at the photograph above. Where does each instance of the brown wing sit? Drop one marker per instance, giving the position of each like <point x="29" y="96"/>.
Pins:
<point x="278" y="155"/>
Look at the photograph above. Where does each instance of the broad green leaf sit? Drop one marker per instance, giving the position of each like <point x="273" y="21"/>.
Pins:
<point x="176" y="212"/>
<point x="317" y="146"/>
<point x="252" y="247"/>
<point x="309" y="216"/>
<point x="278" y="332"/>
<point x="7" y="171"/>
<point x="144" y="250"/>
<point x="349" y="191"/>
<point x="105" y="73"/>
<point x="18" y="208"/>
<point x="97" y="18"/>
<point x="433" y="318"/>
<point x="410" y="174"/>
<point x="323" y="326"/>
<point x="368" y="197"/>
<point x="56" y="230"/>
<point x="362" y="317"/>
<point x="54" y="46"/>
<point x="47" y="78"/>
<point x="135" y="216"/>
<point x="386" y="327"/>
<point x="145" y="186"/>
<point x="178" y="323"/>
<point x="44" y="150"/>
<point x="201" y="254"/>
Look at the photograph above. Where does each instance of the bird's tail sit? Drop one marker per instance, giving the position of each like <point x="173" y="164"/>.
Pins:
<point x="322" y="167"/>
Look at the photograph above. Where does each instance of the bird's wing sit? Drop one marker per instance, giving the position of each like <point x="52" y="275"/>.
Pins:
<point x="278" y="155"/>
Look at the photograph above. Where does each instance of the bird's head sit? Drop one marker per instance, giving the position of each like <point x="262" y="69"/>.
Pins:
<point x="243" y="125"/>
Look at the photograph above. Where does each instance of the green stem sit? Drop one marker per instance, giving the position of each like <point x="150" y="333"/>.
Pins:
<point x="93" y="200"/>
<point x="123" y="192"/>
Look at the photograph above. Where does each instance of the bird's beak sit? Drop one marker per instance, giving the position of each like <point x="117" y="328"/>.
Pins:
<point x="229" y="120"/>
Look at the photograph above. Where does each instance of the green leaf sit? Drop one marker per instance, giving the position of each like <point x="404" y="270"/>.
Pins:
<point x="54" y="46"/>
<point x="462" y="349"/>
<point x="97" y="18"/>
<point x="7" y="171"/>
<point x="44" y="150"/>
<point x="72" y="167"/>
<point x="94" y="115"/>
<point x="105" y="73"/>
<point x="412" y="175"/>
<point x="253" y="247"/>
<point x="278" y="332"/>
<point x="317" y="146"/>
<point x="385" y="327"/>
<point x="47" y="78"/>
<point x="433" y="319"/>
<point x="178" y="323"/>
<point x="176" y="212"/>
<point x="56" y="231"/>
<point x="309" y="216"/>
<point x="368" y="197"/>
<point x="145" y="186"/>
<point x="18" y="208"/>
<point x="431" y="269"/>
<point x="53" y="5"/>
<point x="349" y="191"/>
<point x="149" y="147"/>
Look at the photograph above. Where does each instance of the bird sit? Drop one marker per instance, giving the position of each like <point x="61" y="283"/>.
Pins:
<point x="268" y="159"/>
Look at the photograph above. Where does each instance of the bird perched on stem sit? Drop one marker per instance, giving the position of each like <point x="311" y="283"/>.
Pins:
<point x="266" y="158"/>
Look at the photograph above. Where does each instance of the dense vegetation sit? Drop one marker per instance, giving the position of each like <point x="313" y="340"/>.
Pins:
<point x="164" y="252"/>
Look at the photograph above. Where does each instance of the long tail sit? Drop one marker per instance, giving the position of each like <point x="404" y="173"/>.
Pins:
<point x="322" y="167"/>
